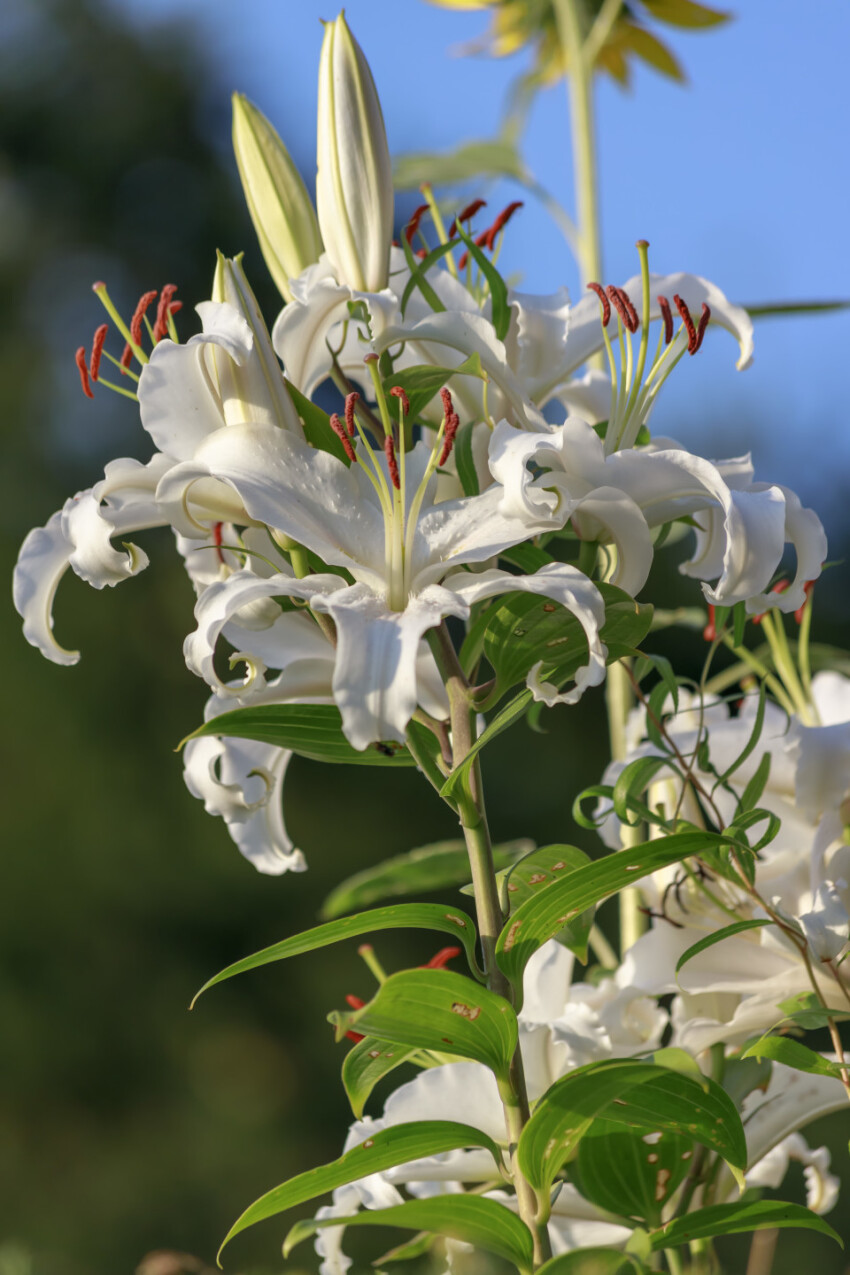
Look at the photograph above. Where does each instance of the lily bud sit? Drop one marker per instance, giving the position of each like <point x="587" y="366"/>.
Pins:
<point x="277" y="199"/>
<point x="251" y="384"/>
<point x="354" y="189"/>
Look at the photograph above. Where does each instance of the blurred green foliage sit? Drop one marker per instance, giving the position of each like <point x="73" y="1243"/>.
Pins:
<point x="128" y="1126"/>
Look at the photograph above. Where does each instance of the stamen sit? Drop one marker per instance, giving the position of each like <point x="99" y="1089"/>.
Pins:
<point x="688" y="322"/>
<point x="779" y="587"/>
<point x="97" y="350"/>
<point x="217" y="540"/>
<point x="126" y="358"/>
<point x="413" y="225"/>
<point x="146" y="299"/>
<point x="703" y="324"/>
<point x="441" y="959"/>
<point x="710" y="631"/>
<point x="481" y="241"/>
<point x="501" y="221"/>
<point x="622" y="303"/>
<point x="337" y="427"/>
<point x="808" y="589"/>
<point x="448" y="405"/>
<point x="80" y="358"/>
<point x="398" y="392"/>
<point x="160" y="327"/>
<point x="392" y="463"/>
<point x="350" y="401"/>
<point x="667" y="316"/>
<point x="175" y="307"/>
<point x="466" y="214"/>
<point x="355" y="1003"/>
<point x="452" y="422"/>
<point x="603" y="301"/>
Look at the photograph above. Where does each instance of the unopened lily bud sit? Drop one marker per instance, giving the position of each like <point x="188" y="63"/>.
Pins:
<point x="354" y="189"/>
<point x="277" y="199"/>
<point x="251" y="386"/>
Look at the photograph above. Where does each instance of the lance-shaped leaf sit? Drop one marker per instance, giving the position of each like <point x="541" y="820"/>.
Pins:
<point x="485" y="1224"/>
<point x="384" y="1150"/>
<point x="631" y="1174"/>
<point x="593" y="1261"/>
<point x="792" y="1053"/>
<point x="398" y="916"/>
<point x="310" y="730"/>
<point x="500" y="310"/>
<point x="439" y="1010"/>
<point x="433" y="867"/>
<point x="423" y="381"/>
<point x="317" y="425"/>
<point x="542" y="917"/>
<point x="636" y="1095"/>
<point x="365" y="1064"/>
<point x="535" y="873"/>
<point x="717" y="937"/>
<point x="728" y="1219"/>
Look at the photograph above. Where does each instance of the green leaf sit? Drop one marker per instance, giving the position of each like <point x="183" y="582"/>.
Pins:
<point x="638" y="1095"/>
<point x="310" y="730"/>
<point x="420" y="270"/>
<point x="398" y="916"/>
<point x="783" y="1049"/>
<point x="423" y="381"/>
<point x="755" y="787"/>
<point x="452" y="168"/>
<point x="367" y="1062"/>
<point x="535" y="873"/>
<point x="781" y="308"/>
<point x="806" y="1011"/>
<point x="438" y="1010"/>
<point x="541" y="918"/>
<point x="317" y="428"/>
<point x="685" y="13"/>
<point x="506" y="716"/>
<point x="753" y="739"/>
<point x="632" y="782"/>
<point x="500" y="310"/>
<point x="438" y="866"/>
<point x="525" y="629"/>
<point x="485" y="1224"/>
<point x="593" y="1261"/>
<point x="717" y="937"/>
<point x="729" y="1219"/>
<point x="624" y="1173"/>
<point x="741" y="1076"/>
<point x="464" y="459"/>
<point x="384" y="1150"/>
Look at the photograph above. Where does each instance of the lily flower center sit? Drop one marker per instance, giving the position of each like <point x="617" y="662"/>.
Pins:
<point x="634" y="389"/>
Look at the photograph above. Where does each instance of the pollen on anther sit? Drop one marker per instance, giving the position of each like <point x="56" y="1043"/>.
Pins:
<point x="603" y="301"/>
<point x="398" y="392"/>
<point x="413" y="225"/>
<point x="160" y="327"/>
<point x="343" y="436"/>
<point x="452" y="422"/>
<point x="466" y="214"/>
<point x="392" y="463"/>
<point x="145" y="300"/>
<point x="501" y="221"/>
<point x="622" y="303"/>
<point x="350" y="402"/>
<point x="688" y="322"/>
<point x="97" y="350"/>
<point x="709" y="633"/>
<point x="667" y="316"/>
<point x="703" y="324"/>
<point x="126" y="358"/>
<point x="440" y="959"/>
<point x="80" y="358"/>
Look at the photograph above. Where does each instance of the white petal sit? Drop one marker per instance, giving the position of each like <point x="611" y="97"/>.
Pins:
<point x="93" y="557"/>
<point x="803" y="530"/>
<point x="542" y="326"/>
<point x="178" y="403"/>
<point x="375" y="677"/>
<point x="827" y="925"/>
<point x="42" y="562"/>
<point x="753" y="536"/>
<point x="462" y="1091"/>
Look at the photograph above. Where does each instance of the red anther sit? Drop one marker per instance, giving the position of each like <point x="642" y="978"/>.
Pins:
<point x="80" y="357"/>
<point x="398" y="392"/>
<point x="703" y="324"/>
<point x="667" y="316"/>
<point x="808" y="588"/>
<point x="339" y="429"/>
<point x="421" y="253"/>
<point x="463" y="261"/>
<point x="354" y="1002"/>
<point x="217" y="539"/>
<point x="126" y="358"/>
<point x="350" y="401"/>
<point x="97" y="349"/>
<point x="603" y="301"/>
<point x="441" y="959"/>
<point x="710" y="630"/>
<point x="160" y="327"/>
<point x="779" y="587"/>
<point x="452" y="422"/>
<point x="502" y="220"/>
<point x="448" y="405"/>
<point x="628" y="313"/>
<point x="146" y="299"/>
<point x="466" y="214"/>
<point x="688" y="322"/>
<point x="413" y="225"/>
<point x="392" y="463"/>
<point x="175" y="307"/>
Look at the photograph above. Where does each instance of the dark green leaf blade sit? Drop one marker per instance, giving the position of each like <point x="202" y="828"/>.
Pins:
<point x="485" y="1224"/>
<point x="397" y="916"/>
<point x="593" y="1261"/>
<point x="438" y="1010"/>
<point x="728" y="1219"/>
<point x="384" y="1150"/>
<point x="623" y="1173"/>
<point x="365" y="1064"/>
<point x="310" y="730"/>
<point x="792" y="1053"/>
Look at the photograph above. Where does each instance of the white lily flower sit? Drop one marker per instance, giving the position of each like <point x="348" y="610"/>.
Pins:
<point x="404" y="552"/>
<point x="354" y="185"/>
<point x="827" y="924"/>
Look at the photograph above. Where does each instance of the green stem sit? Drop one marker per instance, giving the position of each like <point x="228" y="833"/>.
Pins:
<point x="580" y="88"/>
<point x="674" y="1262"/>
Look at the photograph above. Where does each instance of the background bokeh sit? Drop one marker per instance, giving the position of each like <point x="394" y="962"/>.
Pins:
<point x="126" y="1124"/>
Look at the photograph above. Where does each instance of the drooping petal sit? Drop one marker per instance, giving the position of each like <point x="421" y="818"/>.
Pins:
<point x="42" y="562"/>
<point x="752" y="536"/>
<point x="540" y="327"/>
<point x="821" y="756"/>
<point x="827" y="924"/>
<point x="804" y="531"/>
<point x="375" y="677"/>
<point x="563" y="584"/>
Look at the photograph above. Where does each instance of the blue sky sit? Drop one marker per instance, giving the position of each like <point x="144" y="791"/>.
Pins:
<point x="742" y="177"/>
